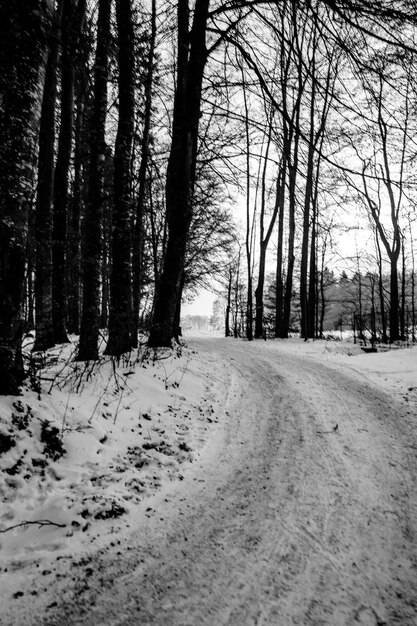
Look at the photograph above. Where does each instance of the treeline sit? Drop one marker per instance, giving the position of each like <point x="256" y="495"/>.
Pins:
<point x="359" y="303"/>
<point x="126" y="127"/>
<point x="88" y="212"/>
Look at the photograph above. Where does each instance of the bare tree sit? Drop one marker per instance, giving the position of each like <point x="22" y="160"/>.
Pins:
<point x="192" y="55"/>
<point x="264" y="237"/>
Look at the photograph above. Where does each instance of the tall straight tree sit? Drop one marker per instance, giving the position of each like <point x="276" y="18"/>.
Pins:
<point x="59" y="269"/>
<point x="287" y="137"/>
<point x="89" y="333"/>
<point x="250" y="219"/>
<point x="22" y="54"/>
<point x="309" y="183"/>
<point x="310" y="312"/>
<point x="120" y="317"/>
<point x="44" y="198"/>
<point x="144" y="160"/>
<point x="264" y="238"/>
<point x="192" y="55"/>
<point x="78" y="187"/>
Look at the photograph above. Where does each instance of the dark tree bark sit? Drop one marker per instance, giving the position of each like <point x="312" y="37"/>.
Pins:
<point x="312" y="304"/>
<point x="263" y="243"/>
<point x="308" y="194"/>
<point x="249" y="222"/>
<point x="381" y="291"/>
<point x="322" y="299"/>
<point x="91" y="242"/>
<point x="142" y="181"/>
<point x="21" y="57"/>
<point x="291" y="140"/>
<point x="292" y="159"/>
<point x="120" y="317"/>
<point x="403" y="286"/>
<point x="228" y="303"/>
<point x="394" y="303"/>
<point x="413" y="281"/>
<point x="372" y="280"/>
<point x="106" y="239"/>
<point x="177" y="317"/>
<point x="78" y="193"/>
<point x="30" y="275"/>
<point x="279" y="281"/>
<point x="59" y="267"/>
<point x="312" y="285"/>
<point x="43" y="210"/>
<point x="308" y="269"/>
<point x="192" y="56"/>
<point x="392" y="248"/>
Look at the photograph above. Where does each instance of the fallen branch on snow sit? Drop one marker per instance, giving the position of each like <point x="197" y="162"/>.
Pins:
<point x="39" y="522"/>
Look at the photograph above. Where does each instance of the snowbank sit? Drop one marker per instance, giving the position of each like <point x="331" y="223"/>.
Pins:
<point x="78" y="457"/>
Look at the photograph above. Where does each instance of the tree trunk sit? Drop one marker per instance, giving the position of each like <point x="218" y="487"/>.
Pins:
<point x="249" y="222"/>
<point x="284" y="331"/>
<point x="106" y="252"/>
<point x="192" y="56"/>
<point x="413" y="281"/>
<point x="381" y="292"/>
<point x="77" y="205"/>
<point x="177" y="319"/>
<point x="120" y="316"/>
<point x="264" y="242"/>
<point x="321" y="297"/>
<point x="394" y="328"/>
<point x="403" y="284"/>
<point x="91" y="242"/>
<point x="322" y="304"/>
<point x="30" y="272"/>
<point x="59" y="269"/>
<point x="308" y="192"/>
<point x="43" y="209"/>
<point x="279" y="282"/>
<point x="259" y="291"/>
<point x="142" y="180"/>
<point x="292" y="175"/>
<point x="21" y="56"/>
<point x="228" y="304"/>
<point x="312" y="286"/>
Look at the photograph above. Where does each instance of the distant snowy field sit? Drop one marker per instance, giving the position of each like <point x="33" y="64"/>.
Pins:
<point x="127" y="429"/>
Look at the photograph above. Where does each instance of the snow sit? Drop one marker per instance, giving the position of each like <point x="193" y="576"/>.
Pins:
<point x="146" y="435"/>
<point x="393" y="369"/>
<point x="128" y="428"/>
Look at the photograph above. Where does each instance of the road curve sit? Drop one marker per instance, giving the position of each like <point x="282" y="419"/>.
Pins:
<point x="283" y="521"/>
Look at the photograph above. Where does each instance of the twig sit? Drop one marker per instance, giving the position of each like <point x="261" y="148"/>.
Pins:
<point x="65" y="415"/>
<point x="39" y="522"/>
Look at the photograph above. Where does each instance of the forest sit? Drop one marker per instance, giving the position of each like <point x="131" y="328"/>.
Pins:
<point x="263" y="149"/>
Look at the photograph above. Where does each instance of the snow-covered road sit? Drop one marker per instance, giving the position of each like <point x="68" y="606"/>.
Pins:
<point x="283" y="520"/>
